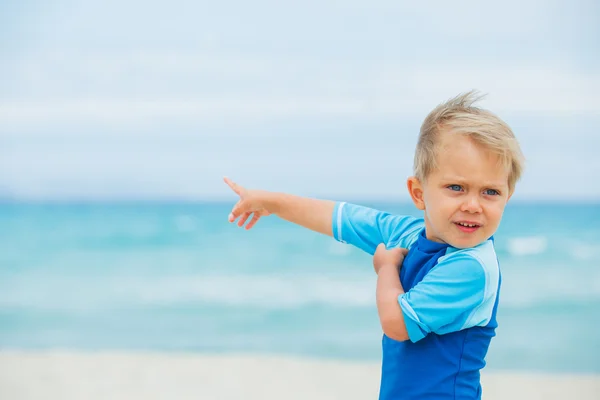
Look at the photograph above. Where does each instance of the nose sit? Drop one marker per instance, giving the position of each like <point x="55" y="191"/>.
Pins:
<point x="471" y="204"/>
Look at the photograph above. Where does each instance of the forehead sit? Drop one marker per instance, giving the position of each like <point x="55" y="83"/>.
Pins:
<point x="460" y="157"/>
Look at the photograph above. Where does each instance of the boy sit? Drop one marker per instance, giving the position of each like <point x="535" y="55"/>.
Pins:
<point x="438" y="313"/>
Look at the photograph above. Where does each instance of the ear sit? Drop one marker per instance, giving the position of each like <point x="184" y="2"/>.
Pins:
<point x="415" y="189"/>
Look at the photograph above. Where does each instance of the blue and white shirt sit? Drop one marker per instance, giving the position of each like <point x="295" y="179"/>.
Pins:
<point x="449" y="306"/>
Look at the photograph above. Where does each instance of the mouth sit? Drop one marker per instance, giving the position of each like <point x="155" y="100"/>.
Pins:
<point x="467" y="226"/>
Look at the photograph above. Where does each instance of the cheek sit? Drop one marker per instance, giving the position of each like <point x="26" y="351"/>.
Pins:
<point x="495" y="214"/>
<point x="444" y="210"/>
<point x="434" y="198"/>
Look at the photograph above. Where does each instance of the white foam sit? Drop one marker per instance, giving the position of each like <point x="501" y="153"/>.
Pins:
<point x="266" y="291"/>
<point x="523" y="286"/>
<point x="263" y="291"/>
<point x="584" y="252"/>
<point x="527" y="245"/>
<point x="549" y="287"/>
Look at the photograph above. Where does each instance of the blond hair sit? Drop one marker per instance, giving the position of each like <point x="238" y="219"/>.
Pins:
<point x="458" y="116"/>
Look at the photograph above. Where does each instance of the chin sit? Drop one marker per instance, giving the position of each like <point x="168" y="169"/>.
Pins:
<point x="465" y="243"/>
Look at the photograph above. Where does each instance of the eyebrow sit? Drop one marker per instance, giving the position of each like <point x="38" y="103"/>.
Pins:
<point x="463" y="180"/>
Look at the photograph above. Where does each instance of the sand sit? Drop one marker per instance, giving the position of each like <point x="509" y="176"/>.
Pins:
<point x="129" y="375"/>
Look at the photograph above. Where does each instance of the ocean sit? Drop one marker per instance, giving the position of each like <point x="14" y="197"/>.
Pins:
<point x="179" y="277"/>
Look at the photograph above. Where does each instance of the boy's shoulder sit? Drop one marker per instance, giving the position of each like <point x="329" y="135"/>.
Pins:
<point x="481" y="258"/>
<point x="484" y="252"/>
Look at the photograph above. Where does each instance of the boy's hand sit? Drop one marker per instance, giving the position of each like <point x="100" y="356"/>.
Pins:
<point x="251" y="202"/>
<point x="384" y="257"/>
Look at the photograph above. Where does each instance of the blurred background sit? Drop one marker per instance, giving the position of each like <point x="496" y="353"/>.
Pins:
<point x="118" y="120"/>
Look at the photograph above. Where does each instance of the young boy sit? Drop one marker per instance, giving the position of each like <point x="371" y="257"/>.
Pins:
<point x="438" y="312"/>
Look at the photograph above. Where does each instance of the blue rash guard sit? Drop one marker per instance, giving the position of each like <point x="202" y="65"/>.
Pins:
<point x="449" y="307"/>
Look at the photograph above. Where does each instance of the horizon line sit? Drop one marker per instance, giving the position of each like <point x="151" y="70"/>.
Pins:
<point x="221" y="200"/>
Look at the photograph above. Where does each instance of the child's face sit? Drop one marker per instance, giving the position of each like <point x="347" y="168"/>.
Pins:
<point x="464" y="198"/>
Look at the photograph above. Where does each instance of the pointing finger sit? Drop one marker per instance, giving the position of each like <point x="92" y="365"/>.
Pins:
<point x="234" y="186"/>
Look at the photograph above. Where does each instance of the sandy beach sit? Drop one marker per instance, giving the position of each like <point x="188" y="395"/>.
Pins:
<point x="148" y="376"/>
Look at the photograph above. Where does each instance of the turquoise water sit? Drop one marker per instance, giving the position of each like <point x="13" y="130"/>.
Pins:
<point x="179" y="277"/>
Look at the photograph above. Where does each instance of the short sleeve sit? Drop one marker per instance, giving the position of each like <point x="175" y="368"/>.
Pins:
<point x="366" y="228"/>
<point x="458" y="293"/>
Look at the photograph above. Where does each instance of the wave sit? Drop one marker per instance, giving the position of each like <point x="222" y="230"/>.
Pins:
<point x="263" y="291"/>
<point x="266" y="291"/>
<point x="521" y="289"/>
<point x="579" y="250"/>
<point x="584" y="252"/>
<point x="541" y="287"/>
<point x="527" y="245"/>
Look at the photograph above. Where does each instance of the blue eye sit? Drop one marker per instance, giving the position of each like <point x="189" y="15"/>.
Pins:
<point x="491" y="192"/>
<point x="456" y="188"/>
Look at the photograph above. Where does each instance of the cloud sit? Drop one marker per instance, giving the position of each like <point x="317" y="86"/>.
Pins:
<point x="332" y="90"/>
<point x="336" y="59"/>
<point x="153" y="100"/>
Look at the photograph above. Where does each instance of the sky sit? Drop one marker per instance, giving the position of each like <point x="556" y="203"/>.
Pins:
<point x="159" y="100"/>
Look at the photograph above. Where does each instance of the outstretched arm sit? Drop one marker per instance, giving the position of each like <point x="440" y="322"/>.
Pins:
<point x="359" y="226"/>
<point x="313" y="214"/>
<point x="310" y="213"/>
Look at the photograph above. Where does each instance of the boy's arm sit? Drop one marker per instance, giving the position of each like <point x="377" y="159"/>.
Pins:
<point x="389" y="288"/>
<point x="313" y="214"/>
<point x="366" y="227"/>
<point x="360" y="226"/>
<point x="458" y="293"/>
